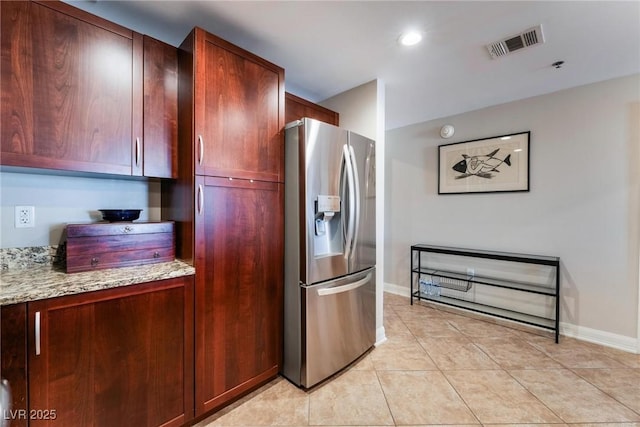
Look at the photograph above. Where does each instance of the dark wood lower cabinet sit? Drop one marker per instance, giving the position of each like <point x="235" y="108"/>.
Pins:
<point x="118" y="357"/>
<point x="13" y="345"/>
<point x="239" y="270"/>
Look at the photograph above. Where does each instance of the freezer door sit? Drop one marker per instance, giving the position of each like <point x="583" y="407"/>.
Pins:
<point x="363" y="153"/>
<point x="322" y="162"/>
<point x="339" y="321"/>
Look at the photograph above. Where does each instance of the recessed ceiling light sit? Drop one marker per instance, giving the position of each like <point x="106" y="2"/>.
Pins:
<point x="410" y="38"/>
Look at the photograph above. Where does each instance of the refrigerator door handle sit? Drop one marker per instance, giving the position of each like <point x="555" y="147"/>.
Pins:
<point x="351" y="210"/>
<point x="356" y="180"/>
<point x="345" y="288"/>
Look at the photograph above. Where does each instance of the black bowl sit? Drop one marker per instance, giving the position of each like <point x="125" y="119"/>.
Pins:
<point x="114" y="215"/>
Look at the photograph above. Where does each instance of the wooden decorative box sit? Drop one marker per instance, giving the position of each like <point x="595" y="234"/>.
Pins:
<point x="117" y="244"/>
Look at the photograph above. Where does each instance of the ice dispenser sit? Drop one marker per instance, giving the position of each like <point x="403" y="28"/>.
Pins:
<point x="328" y="236"/>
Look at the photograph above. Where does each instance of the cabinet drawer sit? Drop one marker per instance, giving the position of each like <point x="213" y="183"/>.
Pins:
<point x="118" y="228"/>
<point x="105" y="244"/>
<point x="99" y="261"/>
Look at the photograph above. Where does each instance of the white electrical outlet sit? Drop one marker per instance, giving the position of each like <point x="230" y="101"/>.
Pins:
<point x="470" y="272"/>
<point x="25" y="217"/>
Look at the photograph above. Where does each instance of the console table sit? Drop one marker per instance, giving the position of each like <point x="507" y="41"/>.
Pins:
<point x="451" y="285"/>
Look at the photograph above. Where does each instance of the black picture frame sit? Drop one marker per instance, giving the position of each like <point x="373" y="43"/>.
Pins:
<point x="489" y="165"/>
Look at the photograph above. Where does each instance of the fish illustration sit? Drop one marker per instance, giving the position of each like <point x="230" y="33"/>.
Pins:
<point x="480" y="166"/>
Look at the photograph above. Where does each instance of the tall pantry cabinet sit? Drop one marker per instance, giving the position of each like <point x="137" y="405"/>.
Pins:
<point x="228" y="206"/>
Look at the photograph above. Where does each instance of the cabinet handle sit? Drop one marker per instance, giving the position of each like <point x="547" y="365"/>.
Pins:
<point x="138" y="151"/>
<point x="200" y="199"/>
<point x="37" y="330"/>
<point x="200" y="149"/>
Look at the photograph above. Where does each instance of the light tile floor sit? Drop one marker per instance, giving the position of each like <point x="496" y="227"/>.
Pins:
<point x="439" y="367"/>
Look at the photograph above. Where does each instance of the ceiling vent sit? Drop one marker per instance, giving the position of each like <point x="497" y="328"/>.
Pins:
<point x="527" y="38"/>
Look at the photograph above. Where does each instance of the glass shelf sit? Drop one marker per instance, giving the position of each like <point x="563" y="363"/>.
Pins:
<point x="529" y="319"/>
<point x="503" y="256"/>
<point x="490" y="281"/>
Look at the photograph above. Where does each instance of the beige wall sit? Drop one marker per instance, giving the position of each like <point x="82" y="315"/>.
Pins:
<point x="60" y="199"/>
<point x="583" y="205"/>
<point x="357" y="108"/>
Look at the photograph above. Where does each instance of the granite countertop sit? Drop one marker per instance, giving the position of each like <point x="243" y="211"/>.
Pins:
<point x="29" y="274"/>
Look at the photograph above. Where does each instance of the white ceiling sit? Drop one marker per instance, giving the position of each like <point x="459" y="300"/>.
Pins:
<point x="327" y="47"/>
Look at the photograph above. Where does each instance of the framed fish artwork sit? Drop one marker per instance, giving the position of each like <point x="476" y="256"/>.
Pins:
<point x="489" y="165"/>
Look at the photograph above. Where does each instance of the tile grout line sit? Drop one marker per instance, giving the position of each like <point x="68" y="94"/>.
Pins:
<point x="405" y="317"/>
<point x="376" y="370"/>
<point x="393" y="418"/>
<point x="509" y="374"/>
<point x="535" y="369"/>
<point x="572" y="369"/>
<point x="440" y="370"/>
<point x="533" y="395"/>
<point x="449" y="382"/>
<point x="492" y="359"/>
<point x="604" y="391"/>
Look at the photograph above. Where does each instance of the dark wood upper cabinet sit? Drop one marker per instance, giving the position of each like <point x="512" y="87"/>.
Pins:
<point x="70" y="89"/>
<point x="238" y="110"/>
<point x="123" y="355"/>
<point x="160" y="109"/>
<point x="297" y="108"/>
<point x="80" y="93"/>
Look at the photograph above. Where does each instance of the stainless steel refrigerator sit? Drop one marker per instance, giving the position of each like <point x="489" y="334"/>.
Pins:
<point x="330" y="250"/>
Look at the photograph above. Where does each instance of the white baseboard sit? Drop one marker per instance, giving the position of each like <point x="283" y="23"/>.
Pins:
<point x="595" y="336"/>
<point x="396" y="290"/>
<point x="380" y="336"/>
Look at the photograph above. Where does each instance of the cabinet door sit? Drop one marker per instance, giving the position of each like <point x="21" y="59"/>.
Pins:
<point x="70" y="85"/>
<point x="14" y="360"/>
<point x="108" y="357"/>
<point x="160" y="109"/>
<point x="297" y="108"/>
<point x="239" y="112"/>
<point x="239" y="271"/>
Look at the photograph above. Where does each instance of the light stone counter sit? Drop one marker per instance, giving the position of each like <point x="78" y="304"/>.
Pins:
<point x="29" y="274"/>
